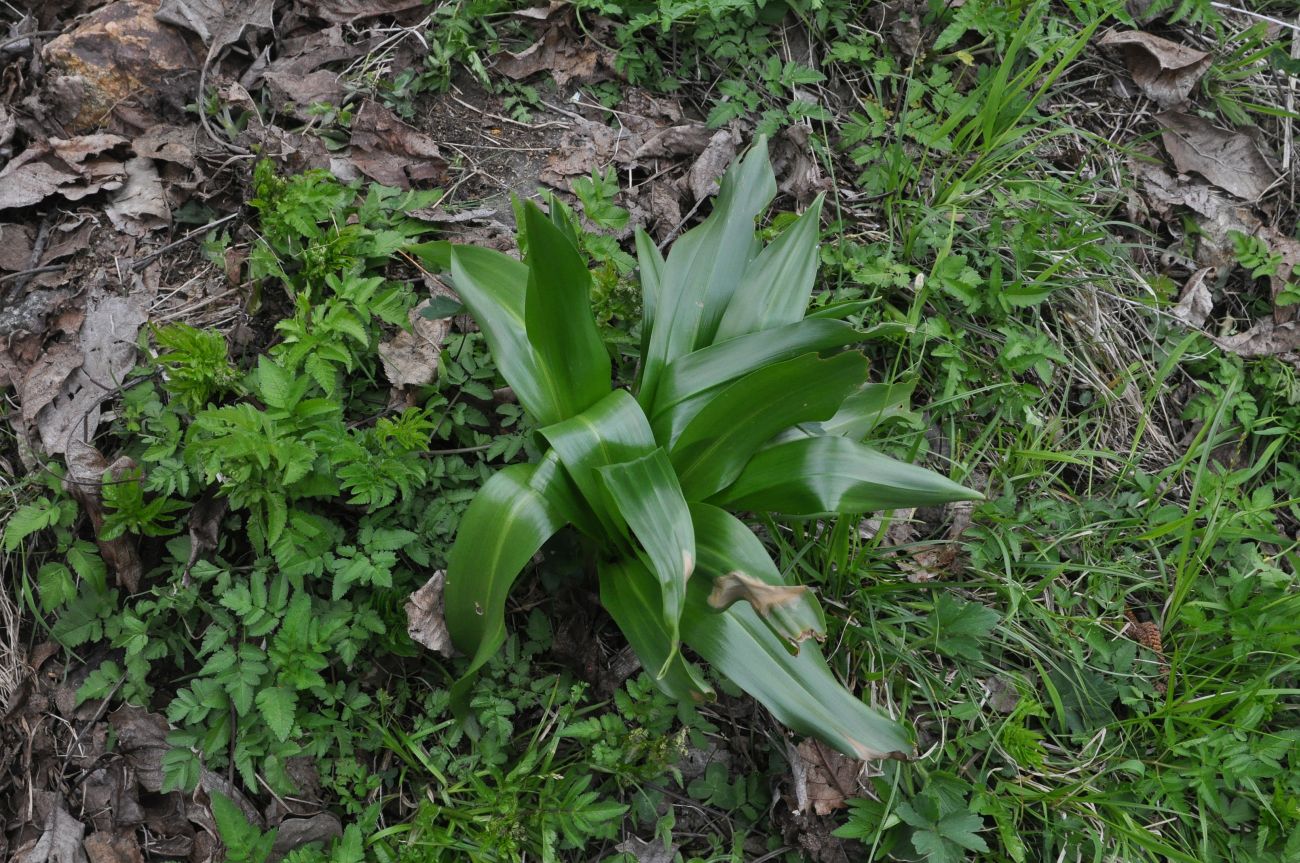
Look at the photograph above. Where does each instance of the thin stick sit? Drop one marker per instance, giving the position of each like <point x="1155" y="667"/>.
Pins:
<point x="153" y="256"/>
<point x="1226" y="8"/>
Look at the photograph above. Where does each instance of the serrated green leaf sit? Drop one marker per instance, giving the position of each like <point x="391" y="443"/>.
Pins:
<point x="279" y="707"/>
<point x="960" y="626"/>
<point x="54" y="581"/>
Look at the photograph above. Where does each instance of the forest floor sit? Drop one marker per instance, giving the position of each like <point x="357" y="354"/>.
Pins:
<point x="1079" y="215"/>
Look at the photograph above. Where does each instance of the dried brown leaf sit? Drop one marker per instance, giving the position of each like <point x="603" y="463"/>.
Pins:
<point x="167" y="143"/>
<point x="60" y="842"/>
<point x="647" y="852"/>
<point x="345" y="11"/>
<point x="113" y="847"/>
<point x="712" y="164"/>
<point x="84" y="481"/>
<point x="140" y="206"/>
<point x="293" y="833"/>
<point x="392" y="152"/>
<point x="411" y="357"/>
<point x="1229" y="160"/>
<point x="557" y="52"/>
<point x="71" y="168"/>
<point x="15" y="247"/>
<point x="1195" y="302"/>
<point x="217" y="22"/>
<point x="823" y="778"/>
<point x="424" y="615"/>
<point x="1267" y="338"/>
<point x="1165" y="71"/>
<point x="684" y="139"/>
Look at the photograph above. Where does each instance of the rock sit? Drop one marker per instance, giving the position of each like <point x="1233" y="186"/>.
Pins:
<point x="120" y="65"/>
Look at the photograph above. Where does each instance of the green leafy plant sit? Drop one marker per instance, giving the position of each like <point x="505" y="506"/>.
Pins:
<point x="741" y="404"/>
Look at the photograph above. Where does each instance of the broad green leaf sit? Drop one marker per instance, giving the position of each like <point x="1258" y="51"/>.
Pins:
<point x="650" y="264"/>
<point x="728" y="548"/>
<point x="505" y="525"/>
<point x="557" y="312"/>
<point x="799" y="690"/>
<point x="648" y="497"/>
<point x="689" y="381"/>
<point x="705" y="266"/>
<point x="715" y="445"/>
<point x="866" y="409"/>
<point x="820" y="475"/>
<point x="632" y="596"/>
<point x="779" y="282"/>
<point x="493" y="287"/>
<point x="611" y="431"/>
<point x="434" y="256"/>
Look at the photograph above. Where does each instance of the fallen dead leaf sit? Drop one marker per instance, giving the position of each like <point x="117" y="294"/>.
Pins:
<point x="712" y="164"/>
<point x="685" y="139"/>
<point x="113" y="847"/>
<point x="86" y="470"/>
<point x="293" y="833"/>
<point x="107" y="344"/>
<point x="647" y="852"/>
<point x="411" y="357"/>
<point x="424" y="615"/>
<point x="167" y="143"/>
<point x="140" y="206"/>
<point x="217" y="22"/>
<point x="823" y="778"/>
<point x="15" y="247"/>
<point x="1195" y="302"/>
<point x="392" y="152"/>
<point x="1229" y="160"/>
<point x="60" y="842"/>
<point x="557" y="52"/>
<point x="205" y="528"/>
<point x="797" y="166"/>
<point x="1165" y="71"/>
<point x="346" y="11"/>
<point x="1002" y="692"/>
<point x="586" y="147"/>
<point x="1266" y="338"/>
<point x="72" y="168"/>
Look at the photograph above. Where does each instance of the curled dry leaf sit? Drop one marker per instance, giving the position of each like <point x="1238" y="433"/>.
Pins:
<point x="647" y="852"/>
<point x="1195" y="302"/>
<point x="822" y="778"/>
<point x="1165" y="71"/>
<point x="86" y="470"/>
<point x="113" y="847"/>
<point x="425" y="621"/>
<point x="683" y="139"/>
<point x="217" y="22"/>
<point x="1229" y="160"/>
<point x="60" y="842"/>
<point x="140" y="206"/>
<point x="1266" y="338"/>
<point x="392" y="152"/>
<point x="791" y="611"/>
<point x="291" y="833"/>
<point x="411" y="357"/>
<point x="557" y="52"/>
<point x="72" y="169"/>
<point x="344" y="11"/>
<point x="712" y="164"/>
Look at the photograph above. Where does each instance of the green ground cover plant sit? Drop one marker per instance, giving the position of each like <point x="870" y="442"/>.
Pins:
<point x="979" y="232"/>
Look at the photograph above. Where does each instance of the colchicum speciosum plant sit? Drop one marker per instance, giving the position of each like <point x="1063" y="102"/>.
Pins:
<point x="743" y="403"/>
